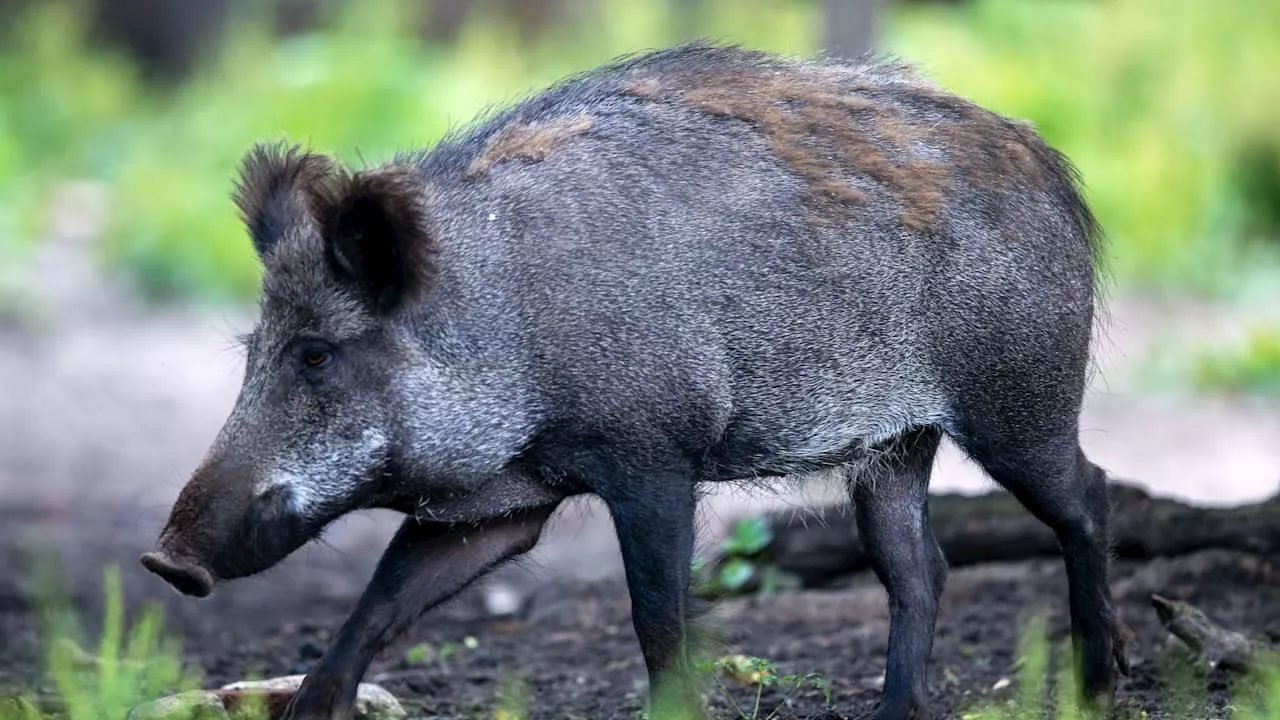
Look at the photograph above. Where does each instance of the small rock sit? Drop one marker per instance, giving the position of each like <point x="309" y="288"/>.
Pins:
<point x="373" y="702"/>
<point x="503" y="601"/>
<point x="876" y="683"/>
<point x="195" y="705"/>
<point x="1001" y="684"/>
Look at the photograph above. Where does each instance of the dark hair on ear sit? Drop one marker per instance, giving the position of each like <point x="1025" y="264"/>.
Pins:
<point x="378" y="233"/>
<point x="276" y="189"/>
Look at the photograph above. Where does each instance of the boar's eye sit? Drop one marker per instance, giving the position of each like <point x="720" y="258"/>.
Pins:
<point x="316" y="356"/>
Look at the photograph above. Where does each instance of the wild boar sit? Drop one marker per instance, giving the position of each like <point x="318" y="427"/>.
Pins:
<point x="702" y="263"/>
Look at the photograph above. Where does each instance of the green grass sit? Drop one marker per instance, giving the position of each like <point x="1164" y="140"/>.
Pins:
<point x="128" y="666"/>
<point x="1046" y="687"/>
<point x="1164" y="104"/>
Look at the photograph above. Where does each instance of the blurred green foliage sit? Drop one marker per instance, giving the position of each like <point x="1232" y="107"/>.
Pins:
<point x="130" y="665"/>
<point x="1164" y="104"/>
<point x="1252" y="366"/>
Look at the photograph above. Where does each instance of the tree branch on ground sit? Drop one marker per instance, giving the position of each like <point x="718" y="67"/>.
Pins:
<point x="821" y="546"/>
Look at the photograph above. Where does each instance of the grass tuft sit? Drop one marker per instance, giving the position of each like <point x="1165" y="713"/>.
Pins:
<point x="132" y="664"/>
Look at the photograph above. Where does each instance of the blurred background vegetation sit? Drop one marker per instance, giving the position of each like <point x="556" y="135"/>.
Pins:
<point x="143" y="107"/>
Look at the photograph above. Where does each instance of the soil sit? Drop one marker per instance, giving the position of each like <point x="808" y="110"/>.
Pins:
<point x="573" y="648"/>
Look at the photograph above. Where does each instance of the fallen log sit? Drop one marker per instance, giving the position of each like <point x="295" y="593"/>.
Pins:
<point x="820" y="546"/>
<point x="1214" y="644"/>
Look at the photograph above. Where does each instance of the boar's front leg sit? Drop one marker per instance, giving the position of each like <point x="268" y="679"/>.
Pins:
<point x="425" y="565"/>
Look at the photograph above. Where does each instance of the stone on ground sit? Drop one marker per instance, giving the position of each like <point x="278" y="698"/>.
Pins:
<point x="372" y="701"/>
<point x="195" y="705"/>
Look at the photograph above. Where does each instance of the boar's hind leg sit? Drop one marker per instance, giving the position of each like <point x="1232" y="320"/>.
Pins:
<point x="890" y="502"/>
<point x="653" y="515"/>
<point x="1049" y="474"/>
<point x="425" y="565"/>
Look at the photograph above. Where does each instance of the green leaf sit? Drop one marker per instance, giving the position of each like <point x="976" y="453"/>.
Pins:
<point x="736" y="573"/>
<point x="419" y="654"/>
<point x="750" y="536"/>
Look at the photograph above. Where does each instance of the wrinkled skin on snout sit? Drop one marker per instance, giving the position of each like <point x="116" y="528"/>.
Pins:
<point x="291" y="458"/>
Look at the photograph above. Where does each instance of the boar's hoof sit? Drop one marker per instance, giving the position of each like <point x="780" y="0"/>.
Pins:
<point x="186" y="577"/>
<point x="916" y="710"/>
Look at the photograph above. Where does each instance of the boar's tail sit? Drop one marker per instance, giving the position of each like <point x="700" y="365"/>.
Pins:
<point x="1064" y="181"/>
<point x="1067" y="185"/>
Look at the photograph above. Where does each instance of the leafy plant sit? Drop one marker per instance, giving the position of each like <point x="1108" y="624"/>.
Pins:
<point x="426" y="653"/>
<point x="743" y="564"/>
<point x="760" y="673"/>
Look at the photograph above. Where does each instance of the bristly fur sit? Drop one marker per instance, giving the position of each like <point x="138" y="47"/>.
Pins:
<point x="378" y="232"/>
<point x="836" y="124"/>
<point x="274" y="189"/>
<point x="829" y="122"/>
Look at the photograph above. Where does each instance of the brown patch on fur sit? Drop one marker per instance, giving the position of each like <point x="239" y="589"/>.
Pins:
<point x="275" y="188"/>
<point x="647" y="87"/>
<point x="991" y="150"/>
<point x="529" y="141"/>
<point x="823" y="124"/>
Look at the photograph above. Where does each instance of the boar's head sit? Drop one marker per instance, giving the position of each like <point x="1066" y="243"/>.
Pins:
<point x="311" y="434"/>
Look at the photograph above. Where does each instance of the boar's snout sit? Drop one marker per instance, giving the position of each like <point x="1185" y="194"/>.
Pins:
<point x="185" y="575"/>
<point x="224" y="525"/>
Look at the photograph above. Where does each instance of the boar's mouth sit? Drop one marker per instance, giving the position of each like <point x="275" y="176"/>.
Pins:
<point x="185" y="575"/>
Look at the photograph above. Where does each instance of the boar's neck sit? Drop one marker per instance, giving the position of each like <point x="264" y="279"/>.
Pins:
<point x="475" y="500"/>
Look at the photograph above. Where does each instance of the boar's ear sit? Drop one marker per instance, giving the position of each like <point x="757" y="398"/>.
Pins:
<point x="378" y="234"/>
<point x="277" y="189"/>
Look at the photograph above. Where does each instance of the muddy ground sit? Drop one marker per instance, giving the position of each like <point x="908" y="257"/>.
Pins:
<point x="105" y="408"/>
